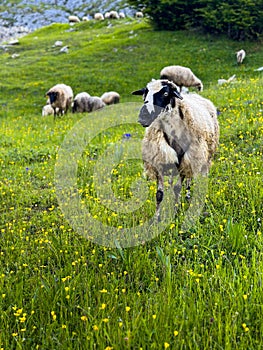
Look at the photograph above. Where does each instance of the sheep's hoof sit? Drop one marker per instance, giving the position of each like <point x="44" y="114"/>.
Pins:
<point x="157" y="217"/>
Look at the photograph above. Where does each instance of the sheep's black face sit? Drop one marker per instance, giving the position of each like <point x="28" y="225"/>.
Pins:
<point x="52" y="96"/>
<point x="157" y="96"/>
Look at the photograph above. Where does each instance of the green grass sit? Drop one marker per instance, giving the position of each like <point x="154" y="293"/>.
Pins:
<point x="199" y="288"/>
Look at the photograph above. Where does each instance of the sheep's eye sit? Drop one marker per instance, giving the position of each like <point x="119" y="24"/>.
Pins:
<point x="165" y="94"/>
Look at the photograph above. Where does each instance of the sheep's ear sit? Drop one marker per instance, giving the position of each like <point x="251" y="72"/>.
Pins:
<point x="139" y="92"/>
<point x="176" y="94"/>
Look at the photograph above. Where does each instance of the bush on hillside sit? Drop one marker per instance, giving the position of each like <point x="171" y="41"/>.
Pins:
<point x="239" y="20"/>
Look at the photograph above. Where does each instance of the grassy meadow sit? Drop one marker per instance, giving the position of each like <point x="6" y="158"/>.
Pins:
<point x="184" y="289"/>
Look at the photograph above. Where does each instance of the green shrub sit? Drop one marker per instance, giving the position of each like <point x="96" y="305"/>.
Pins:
<point x="239" y="20"/>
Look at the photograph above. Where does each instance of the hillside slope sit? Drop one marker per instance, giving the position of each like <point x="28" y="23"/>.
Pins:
<point x="113" y="55"/>
<point x="195" y="285"/>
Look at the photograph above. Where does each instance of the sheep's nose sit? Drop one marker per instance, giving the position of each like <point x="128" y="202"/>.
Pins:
<point x="144" y="116"/>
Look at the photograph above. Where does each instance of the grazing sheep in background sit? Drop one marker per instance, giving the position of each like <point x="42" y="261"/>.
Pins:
<point x="181" y="137"/>
<point x="80" y="103"/>
<point x="73" y="19"/>
<point x="60" y="96"/>
<point x="85" y="19"/>
<point x="138" y="14"/>
<point x="241" y="54"/>
<point x="111" y="97"/>
<point x="225" y="81"/>
<point x="47" y="110"/>
<point x="99" y="16"/>
<point x="114" y="15"/>
<point x="181" y="76"/>
<point x="94" y="103"/>
<point x="64" y="49"/>
<point x="122" y="15"/>
<point x="58" y="43"/>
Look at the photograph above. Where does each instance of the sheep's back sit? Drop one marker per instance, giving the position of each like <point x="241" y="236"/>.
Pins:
<point x="81" y="102"/>
<point x="181" y="76"/>
<point x="201" y="116"/>
<point x="178" y="74"/>
<point x="191" y="128"/>
<point x="68" y="90"/>
<point x="110" y="97"/>
<point x="94" y="103"/>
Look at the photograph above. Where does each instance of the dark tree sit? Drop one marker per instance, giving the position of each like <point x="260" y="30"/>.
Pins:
<point x="238" y="19"/>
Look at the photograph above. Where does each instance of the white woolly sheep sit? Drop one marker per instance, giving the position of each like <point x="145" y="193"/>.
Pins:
<point x="80" y="103"/>
<point x="181" y="76"/>
<point x="94" y="103"/>
<point x="114" y="15"/>
<point x="138" y="14"/>
<point x="181" y="137"/>
<point x="110" y="97"/>
<point x="47" y="110"/>
<point x="99" y="16"/>
<point x="241" y="54"/>
<point x="122" y="15"/>
<point x="73" y="19"/>
<point x="85" y="19"/>
<point x="60" y="96"/>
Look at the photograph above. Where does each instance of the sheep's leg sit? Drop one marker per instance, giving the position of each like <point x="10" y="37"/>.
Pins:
<point x="159" y="196"/>
<point x="188" y="189"/>
<point x="172" y="176"/>
<point x="178" y="188"/>
<point x="55" y="113"/>
<point x="177" y="191"/>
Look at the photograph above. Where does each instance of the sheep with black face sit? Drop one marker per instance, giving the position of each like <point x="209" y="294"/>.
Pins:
<point x="181" y="136"/>
<point x="60" y="97"/>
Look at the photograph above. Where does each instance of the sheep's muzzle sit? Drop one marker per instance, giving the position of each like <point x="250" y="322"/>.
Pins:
<point x="148" y="115"/>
